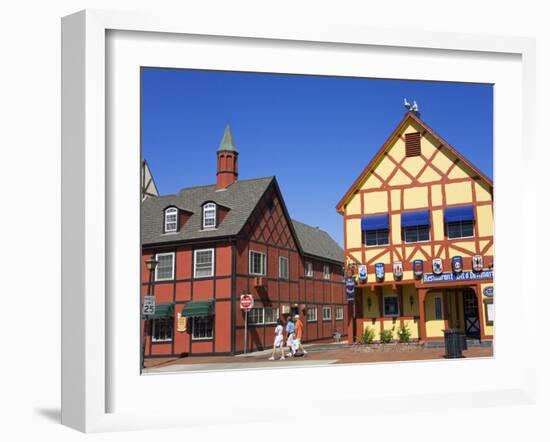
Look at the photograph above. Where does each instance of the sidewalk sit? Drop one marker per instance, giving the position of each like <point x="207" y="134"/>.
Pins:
<point x="318" y="355"/>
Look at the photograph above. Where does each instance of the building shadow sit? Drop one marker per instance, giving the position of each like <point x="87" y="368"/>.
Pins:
<point x="51" y="414"/>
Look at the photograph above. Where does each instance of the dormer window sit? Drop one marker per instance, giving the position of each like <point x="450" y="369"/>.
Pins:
<point x="209" y="216"/>
<point x="171" y="220"/>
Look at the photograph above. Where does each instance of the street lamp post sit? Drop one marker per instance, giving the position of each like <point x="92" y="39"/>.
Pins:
<point x="151" y="264"/>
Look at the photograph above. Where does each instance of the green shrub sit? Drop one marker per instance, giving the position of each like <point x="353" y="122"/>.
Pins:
<point x="404" y="333"/>
<point x="386" y="336"/>
<point x="368" y="335"/>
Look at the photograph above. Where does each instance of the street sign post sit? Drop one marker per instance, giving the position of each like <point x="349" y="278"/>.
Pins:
<point x="247" y="303"/>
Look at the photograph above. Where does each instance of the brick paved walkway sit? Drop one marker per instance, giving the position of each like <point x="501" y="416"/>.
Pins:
<point x="338" y="355"/>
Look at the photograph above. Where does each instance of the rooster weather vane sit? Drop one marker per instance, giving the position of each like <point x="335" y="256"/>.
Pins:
<point x="411" y="107"/>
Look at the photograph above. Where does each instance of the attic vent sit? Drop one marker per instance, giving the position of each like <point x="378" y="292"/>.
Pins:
<point x="412" y="144"/>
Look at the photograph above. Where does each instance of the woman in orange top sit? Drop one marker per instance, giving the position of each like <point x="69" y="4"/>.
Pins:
<point x="299" y="330"/>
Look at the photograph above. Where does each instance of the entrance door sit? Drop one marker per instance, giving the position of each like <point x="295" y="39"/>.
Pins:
<point x="471" y="314"/>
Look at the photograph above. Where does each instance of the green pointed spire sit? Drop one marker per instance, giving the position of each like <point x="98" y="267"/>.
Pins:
<point x="227" y="143"/>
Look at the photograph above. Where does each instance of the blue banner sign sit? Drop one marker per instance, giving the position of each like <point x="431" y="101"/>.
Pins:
<point x="350" y="289"/>
<point x="379" y="270"/>
<point x="464" y="276"/>
<point x="457" y="264"/>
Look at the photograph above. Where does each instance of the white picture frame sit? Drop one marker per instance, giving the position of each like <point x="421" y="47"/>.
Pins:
<point x="87" y="256"/>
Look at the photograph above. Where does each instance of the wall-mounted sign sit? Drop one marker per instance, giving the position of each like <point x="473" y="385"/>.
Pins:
<point x="477" y="263"/>
<point x="362" y="272"/>
<point x="418" y="267"/>
<point x="398" y="269"/>
<point x="247" y="301"/>
<point x="463" y="276"/>
<point x="488" y="291"/>
<point x="350" y="289"/>
<point x="181" y="323"/>
<point x="457" y="264"/>
<point x="437" y="266"/>
<point x="379" y="270"/>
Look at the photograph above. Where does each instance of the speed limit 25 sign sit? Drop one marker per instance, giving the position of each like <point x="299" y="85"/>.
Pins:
<point x="148" y="305"/>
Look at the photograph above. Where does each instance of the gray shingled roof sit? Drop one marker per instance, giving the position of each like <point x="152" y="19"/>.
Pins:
<point x="317" y="242"/>
<point x="241" y="198"/>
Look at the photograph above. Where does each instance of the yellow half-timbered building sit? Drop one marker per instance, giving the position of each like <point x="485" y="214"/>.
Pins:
<point x="418" y="233"/>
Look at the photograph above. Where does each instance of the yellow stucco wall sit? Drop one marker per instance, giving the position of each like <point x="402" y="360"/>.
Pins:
<point x="372" y="182"/>
<point x="354" y="205"/>
<point x="375" y="202"/>
<point x="437" y="196"/>
<point x="395" y="199"/>
<point x="443" y="161"/>
<point x="353" y="233"/>
<point x="484" y="219"/>
<point x="438" y="227"/>
<point x="374" y="309"/>
<point x="400" y="179"/>
<point x="482" y="193"/>
<point x="434" y="326"/>
<point x="458" y="193"/>
<point x="385" y="167"/>
<point x="415" y="198"/>
<point x="413" y="165"/>
<point x="396" y="229"/>
<point x="429" y="175"/>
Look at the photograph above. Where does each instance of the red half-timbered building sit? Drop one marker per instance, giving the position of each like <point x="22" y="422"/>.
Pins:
<point x="216" y="242"/>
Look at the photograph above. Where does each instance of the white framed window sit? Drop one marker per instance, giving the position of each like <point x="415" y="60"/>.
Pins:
<point x="391" y="306"/>
<point x="311" y="314"/>
<point x="203" y="328"/>
<point x="339" y="313"/>
<point x="203" y="263"/>
<point x="416" y="234"/>
<point x="326" y="271"/>
<point x="283" y="267"/>
<point x="327" y="312"/>
<point x="374" y="238"/>
<point x="163" y="330"/>
<point x="460" y="229"/>
<point x="256" y="262"/>
<point x="271" y="314"/>
<point x="209" y="216"/>
<point x="256" y="316"/>
<point x="164" y="270"/>
<point x="309" y="269"/>
<point x="171" y="220"/>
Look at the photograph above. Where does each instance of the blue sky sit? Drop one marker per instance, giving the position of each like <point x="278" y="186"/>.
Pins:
<point x="315" y="134"/>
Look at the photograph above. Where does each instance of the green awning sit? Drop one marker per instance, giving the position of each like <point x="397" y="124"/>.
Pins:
<point x="198" y="308"/>
<point x="164" y="310"/>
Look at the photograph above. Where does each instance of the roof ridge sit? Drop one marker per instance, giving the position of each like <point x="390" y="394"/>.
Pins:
<point x="214" y="185"/>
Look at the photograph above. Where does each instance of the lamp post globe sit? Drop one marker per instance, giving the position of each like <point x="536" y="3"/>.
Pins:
<point x="151" y="263"/>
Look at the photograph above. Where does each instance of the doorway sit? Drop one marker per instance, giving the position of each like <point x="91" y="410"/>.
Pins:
<point x="471" y="314"/>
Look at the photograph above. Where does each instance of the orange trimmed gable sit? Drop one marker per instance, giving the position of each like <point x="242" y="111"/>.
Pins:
<point x="386" y="171"/>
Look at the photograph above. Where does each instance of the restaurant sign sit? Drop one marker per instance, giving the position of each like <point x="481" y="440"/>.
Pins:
<point x="451" y="277"/>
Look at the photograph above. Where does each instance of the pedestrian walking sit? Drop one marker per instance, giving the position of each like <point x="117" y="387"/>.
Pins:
<point x="298" y="332"/>
<point x="278" y="341"/>
<point x="290" y="337"/>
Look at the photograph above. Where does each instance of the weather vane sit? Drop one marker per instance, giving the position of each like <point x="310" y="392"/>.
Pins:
<point x="411" y="107"/>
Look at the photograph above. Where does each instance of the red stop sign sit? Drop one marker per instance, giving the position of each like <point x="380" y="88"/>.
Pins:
<point x="247" y="301"/>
